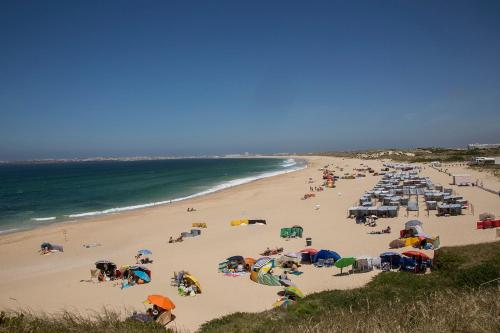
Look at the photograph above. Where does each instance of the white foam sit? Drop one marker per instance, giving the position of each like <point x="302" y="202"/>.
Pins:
<point x="44" y="218"/>
<point x="216" y="188"/>
<point x="7" y="231"/>
<point x="288" y="163"/>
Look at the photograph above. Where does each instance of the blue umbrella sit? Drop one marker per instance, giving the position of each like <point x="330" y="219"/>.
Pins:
<point x="144" y="251"/>
<point x="142" y="275"/>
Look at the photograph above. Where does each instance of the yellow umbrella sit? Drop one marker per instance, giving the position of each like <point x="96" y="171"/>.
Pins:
<point x="194" y="281"/>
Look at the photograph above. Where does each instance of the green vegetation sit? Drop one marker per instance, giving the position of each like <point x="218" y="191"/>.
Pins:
<point x="421" y="155"/>
<point x="109" y="322"/>
<point x="457" y="297"/>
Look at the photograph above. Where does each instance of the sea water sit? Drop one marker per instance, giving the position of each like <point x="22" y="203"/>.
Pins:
<point x="35" y="194"/>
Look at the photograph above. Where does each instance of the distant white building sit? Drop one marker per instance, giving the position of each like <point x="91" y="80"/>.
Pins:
<point x="483" y="145"/>
<point x="485" y="160"/>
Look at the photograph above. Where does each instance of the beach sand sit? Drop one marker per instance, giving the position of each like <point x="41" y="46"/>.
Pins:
<point x="53" y="282"/>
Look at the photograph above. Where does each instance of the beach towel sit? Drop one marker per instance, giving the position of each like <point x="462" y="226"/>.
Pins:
<point x="296" y="273"/>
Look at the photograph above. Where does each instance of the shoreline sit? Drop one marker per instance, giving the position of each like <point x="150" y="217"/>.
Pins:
<point x="226" y="185"/>
<point x="276" y="199"/>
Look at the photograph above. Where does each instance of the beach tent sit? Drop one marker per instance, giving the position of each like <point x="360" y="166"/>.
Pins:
<point x="392" y="258"/>
<point x="408" y="264"/>
<point x="363" y="264"/>
<point x="325" y="254"/>
<point x="289" y="258"/>
<point x="193" y="281"/>
<point x="285" y="232"/>
<point x="307" y="255"/>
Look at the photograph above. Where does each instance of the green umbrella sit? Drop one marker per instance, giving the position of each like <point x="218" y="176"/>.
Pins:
<point x="344" y="262"/>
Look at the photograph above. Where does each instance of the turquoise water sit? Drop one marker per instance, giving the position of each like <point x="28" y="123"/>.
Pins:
<point x="36" y="194"/>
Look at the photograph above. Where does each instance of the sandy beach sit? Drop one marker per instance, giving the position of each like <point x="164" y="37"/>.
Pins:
<point x="57" y="282"/>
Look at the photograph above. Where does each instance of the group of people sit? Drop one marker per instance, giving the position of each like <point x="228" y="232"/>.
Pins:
<point x="141" y="259"/>
<point x="190" y="209"/>
<point x="308" y="195"/>
<point x="383" y="231"/>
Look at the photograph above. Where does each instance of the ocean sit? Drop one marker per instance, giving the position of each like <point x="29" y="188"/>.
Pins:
<point x="36" y="194"/>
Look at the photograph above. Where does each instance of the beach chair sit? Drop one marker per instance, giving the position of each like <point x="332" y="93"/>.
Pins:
<point x="320" y="263"/>
<point x="174" y="280"/>
<point x="329" y="262"/>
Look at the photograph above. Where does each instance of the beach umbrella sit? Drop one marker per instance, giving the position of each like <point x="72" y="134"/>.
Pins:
<point x="142" y="275"/>
<point x="283" y="303"/>
<point x="294" y="291"/>
<point x="144" y="251"/>
<point x="194" y="281"/>
<point x="261" y="262"/>
<point x="309" y="251"/>
<point x="416" y="254"/>
<point x="397" y="243"/>
<point x="161" y="302"/>
<point x="344" y="262"/>
<point x="412" y="223"/>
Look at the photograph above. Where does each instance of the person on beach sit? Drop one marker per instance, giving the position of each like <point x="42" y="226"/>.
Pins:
<point x="171" y="240"/>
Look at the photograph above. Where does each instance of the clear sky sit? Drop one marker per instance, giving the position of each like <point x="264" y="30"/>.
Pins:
<point x="122" y="78"/>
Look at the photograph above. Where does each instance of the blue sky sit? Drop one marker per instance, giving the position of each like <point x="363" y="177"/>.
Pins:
<point x="121" y="78"/>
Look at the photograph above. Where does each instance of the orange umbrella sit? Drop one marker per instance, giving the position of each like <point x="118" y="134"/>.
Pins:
<point x="161" y="301"/>
<point x="250" y="261"/>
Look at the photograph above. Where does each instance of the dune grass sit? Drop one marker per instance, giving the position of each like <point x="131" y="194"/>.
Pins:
<point x="457" y="297"/>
